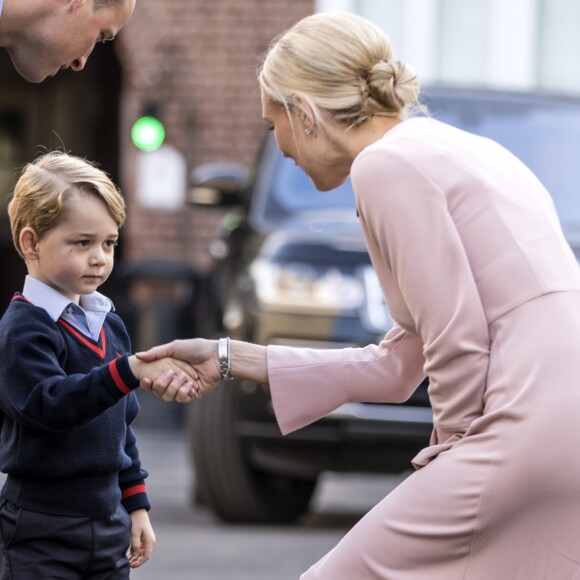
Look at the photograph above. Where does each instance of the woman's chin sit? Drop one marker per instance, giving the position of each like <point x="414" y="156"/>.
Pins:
<point x="327" y="184"/>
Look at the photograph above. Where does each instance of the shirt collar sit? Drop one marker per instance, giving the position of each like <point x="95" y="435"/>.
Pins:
<point x="40" y="294"/>
<point x="96" y="302"/>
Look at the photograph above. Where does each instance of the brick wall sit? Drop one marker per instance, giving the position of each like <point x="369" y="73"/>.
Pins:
<point x="197" y="59"/>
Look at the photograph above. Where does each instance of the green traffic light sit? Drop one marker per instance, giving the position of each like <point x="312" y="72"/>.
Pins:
<point x="148" y="133"/>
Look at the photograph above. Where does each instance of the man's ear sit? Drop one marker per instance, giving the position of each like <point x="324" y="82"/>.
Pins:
<point x="28" y="239"/>
<point x="73" y="5"/>
<point x="302" y="103"/>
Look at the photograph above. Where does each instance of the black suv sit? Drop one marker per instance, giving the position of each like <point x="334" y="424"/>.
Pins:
<point x="292" y="269"/>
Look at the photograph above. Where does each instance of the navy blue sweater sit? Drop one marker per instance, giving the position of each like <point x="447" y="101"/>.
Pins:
<point x="66" y="406"/>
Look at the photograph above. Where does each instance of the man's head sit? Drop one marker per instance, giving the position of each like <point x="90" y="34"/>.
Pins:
<point x="45" y="36"/>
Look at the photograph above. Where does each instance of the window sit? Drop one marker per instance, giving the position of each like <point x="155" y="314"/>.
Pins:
<point x="463" y="41"/>
<point x="559" y="45"/>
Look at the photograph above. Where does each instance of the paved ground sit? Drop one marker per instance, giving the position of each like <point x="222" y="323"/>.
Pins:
<point x="192" y="544"/>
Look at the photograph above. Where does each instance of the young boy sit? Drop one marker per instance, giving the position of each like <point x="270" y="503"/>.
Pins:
<point x="66" y="387"/>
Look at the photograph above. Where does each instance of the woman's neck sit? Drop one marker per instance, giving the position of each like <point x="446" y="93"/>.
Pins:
<point x="349" y="143"/>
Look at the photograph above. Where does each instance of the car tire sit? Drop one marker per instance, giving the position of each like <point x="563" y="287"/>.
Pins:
<point x="225" y="479"/>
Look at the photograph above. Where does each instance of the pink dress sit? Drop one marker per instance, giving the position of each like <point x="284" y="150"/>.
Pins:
<point x="485" y="292"/>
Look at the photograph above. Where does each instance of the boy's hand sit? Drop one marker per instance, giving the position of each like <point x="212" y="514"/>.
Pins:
<point x="142" y="539"/>
<point x="175" y="375"/>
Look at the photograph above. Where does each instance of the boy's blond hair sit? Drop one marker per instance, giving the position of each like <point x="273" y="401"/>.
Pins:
<point x="47" y="184"/>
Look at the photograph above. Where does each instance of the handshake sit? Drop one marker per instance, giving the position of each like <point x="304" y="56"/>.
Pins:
<point x="184" y="370"/>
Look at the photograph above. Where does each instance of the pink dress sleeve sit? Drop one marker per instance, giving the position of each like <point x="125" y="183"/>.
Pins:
<point x="307" y="384"/>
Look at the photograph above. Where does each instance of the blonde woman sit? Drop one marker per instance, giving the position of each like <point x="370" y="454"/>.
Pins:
<point x="485" y="293"/>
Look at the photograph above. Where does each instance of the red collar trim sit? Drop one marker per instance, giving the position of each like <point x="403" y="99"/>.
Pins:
<point x="20" y="297"/>
<point x="99" y="350"/>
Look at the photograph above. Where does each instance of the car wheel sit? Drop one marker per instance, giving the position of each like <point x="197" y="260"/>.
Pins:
<point x="226" y="481"/>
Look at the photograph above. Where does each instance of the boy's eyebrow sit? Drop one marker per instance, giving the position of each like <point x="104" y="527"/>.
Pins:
<point x="93" y="234"/>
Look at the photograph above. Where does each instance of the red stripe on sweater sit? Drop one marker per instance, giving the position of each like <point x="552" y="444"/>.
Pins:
<point x="100" y="350"/>
<point x="133" y="491"/>
<point x="19" y="297"/>
<point x="117" y="378"/>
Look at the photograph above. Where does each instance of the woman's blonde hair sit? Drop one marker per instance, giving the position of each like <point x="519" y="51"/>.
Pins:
<point x="342" y="64"/>
<point x="45" y="187"/>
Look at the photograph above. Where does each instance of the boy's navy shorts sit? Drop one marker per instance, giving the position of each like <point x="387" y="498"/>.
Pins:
<point x="39" y="545"/>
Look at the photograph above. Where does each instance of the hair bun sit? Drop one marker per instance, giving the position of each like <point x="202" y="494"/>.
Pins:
<point x="392" y="85"/>
<point x="344" y="64"/>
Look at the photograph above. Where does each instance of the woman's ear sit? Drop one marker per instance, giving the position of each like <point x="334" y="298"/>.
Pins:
<point x="302" y="103"/>
<point x="28" y="239"/>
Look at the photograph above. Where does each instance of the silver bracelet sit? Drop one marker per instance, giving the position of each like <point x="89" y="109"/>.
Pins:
<point x="224" y="358"/>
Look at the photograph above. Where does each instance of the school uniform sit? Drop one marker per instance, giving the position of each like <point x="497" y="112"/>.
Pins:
<point x="66" y="444"/>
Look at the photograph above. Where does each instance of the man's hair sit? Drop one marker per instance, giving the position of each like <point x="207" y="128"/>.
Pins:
<point x="46" y="186"/>
<point x="98" y="4"/>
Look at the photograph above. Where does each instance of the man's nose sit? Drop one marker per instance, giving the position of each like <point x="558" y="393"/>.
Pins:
<point x="79" y="63"/>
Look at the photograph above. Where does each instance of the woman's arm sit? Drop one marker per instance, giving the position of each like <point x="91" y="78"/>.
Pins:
<point x="305" y="383"/>
<point x="247" y="361"/>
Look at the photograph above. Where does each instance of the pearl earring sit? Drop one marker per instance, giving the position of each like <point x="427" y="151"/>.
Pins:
<point x="307" y="131"/>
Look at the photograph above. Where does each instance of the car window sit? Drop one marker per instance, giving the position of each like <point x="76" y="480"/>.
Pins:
<point x="294" y="190"/>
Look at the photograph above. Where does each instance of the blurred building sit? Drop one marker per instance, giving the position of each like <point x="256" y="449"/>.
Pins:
<point x="193" y="64"/>
<point x="518" y="44"/>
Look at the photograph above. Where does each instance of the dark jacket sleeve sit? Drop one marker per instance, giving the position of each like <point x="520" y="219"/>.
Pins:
<point x="35" y="390"/>
<point x="132" y="479"/>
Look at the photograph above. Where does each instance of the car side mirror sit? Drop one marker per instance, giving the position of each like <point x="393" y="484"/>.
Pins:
<point x="218" y="185"/>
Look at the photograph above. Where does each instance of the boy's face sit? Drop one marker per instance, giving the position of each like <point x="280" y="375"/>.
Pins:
<point x="77" y="256"/>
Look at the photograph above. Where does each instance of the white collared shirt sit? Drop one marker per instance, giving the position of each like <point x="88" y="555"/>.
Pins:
<point x="87" y="318"/>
